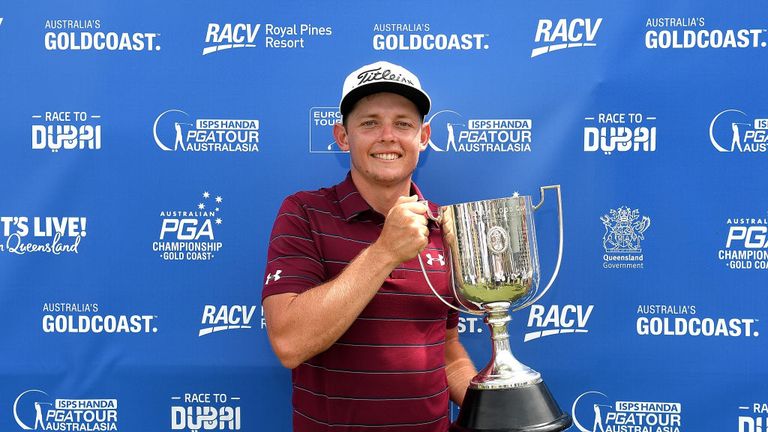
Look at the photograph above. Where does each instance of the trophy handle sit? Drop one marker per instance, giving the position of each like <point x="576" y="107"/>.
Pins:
<point x="438" y="220"/>
<point x="453" y="287"/>
<point x="560" y="247"/>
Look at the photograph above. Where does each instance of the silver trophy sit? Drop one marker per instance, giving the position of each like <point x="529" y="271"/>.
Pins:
<point x="491" y="246"/>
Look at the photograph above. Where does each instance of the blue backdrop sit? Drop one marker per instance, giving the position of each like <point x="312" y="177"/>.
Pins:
<point x="147" y="146"/>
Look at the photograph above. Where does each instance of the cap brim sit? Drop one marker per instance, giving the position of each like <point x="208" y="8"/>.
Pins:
<point x="418" y="97"/>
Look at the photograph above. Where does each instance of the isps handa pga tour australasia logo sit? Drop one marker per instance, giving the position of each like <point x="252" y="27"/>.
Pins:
<point x="36" y="410"/>
<point x="453" y="132"/>
<point x="175" y="131"/>
<point x="734" y="131"/>
<point x="594" y="411"/>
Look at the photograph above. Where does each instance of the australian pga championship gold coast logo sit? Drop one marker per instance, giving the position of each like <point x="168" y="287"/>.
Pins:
<point x="187" y="233"/>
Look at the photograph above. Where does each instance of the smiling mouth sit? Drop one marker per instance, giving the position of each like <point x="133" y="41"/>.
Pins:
<point x="386" y="156"/>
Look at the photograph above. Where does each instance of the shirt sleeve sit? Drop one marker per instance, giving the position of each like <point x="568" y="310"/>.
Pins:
<point x="294" y="263"/>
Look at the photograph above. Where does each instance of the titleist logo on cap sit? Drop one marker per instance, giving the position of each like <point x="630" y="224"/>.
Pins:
<point x="381" y="75"/>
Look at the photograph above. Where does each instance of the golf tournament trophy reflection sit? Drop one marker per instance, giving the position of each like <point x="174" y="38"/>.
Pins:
<point x="494" y="262"/>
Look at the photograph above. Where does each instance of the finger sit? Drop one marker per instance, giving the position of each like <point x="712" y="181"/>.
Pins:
<point x="406" y="199"/>
<point x="425" y="232"/>
<point x="415" y="207"/>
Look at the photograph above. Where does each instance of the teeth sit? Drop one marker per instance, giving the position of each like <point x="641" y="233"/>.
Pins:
<point x="386" y="156"/>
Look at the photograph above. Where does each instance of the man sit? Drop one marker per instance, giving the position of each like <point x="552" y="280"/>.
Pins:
<point x="347" y="307"/>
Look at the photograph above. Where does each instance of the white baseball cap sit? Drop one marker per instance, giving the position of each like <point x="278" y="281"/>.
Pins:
<point x="382" y="77"/>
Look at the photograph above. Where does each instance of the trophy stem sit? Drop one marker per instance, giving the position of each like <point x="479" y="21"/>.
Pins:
<point x="504" y="370"/>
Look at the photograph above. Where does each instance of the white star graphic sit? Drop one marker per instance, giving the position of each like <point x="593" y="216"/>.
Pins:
<point x="219" y="199"/>
<point x="206" y="195"/>
<point x="516" y="194"/>
<point x="201" y="206"/>
<point x="218" y="221"/>
<point x="217" y="209"/>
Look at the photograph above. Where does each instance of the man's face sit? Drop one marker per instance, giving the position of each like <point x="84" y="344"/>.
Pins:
<point x="384" y="135"/>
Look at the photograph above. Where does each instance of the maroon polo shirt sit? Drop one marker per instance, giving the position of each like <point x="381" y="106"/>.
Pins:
<point x="387" y="372"/>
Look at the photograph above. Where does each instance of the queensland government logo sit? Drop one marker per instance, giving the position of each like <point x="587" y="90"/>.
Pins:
<point x="557" y="320"/>
<point x="624" y="232"/>
<point x="593" y="411"/>
<point x="36" y="410"/>
<point x="733" y="131"/>
<point x="620" y="132"/>
<point x="174" y="130"/>
<point x="42" y="234"/>
<point x="452" y="132"/>
<point x="422" y="37"/>
<point x="556" y="35"/>
<point x="66" y="130"/>
<point x="187" y="234"/>
<point x="321" y="121"/>
<point x="92" y="35"/>
<point x="685" y="320"/>
<point x="226" y="36"/>
<point x="228" y="317"/>
<point x="746" y="245"/>
<point x="693" y="33"/>
<point x="194" y="412"/>
<point x="87" y="318"/>
<point x="754" y="417"/>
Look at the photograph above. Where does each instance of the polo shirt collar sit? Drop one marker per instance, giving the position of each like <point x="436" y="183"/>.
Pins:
<point x="353" y="204"/>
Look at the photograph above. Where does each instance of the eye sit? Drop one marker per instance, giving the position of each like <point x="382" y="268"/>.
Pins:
<point x="368" y="123"/>
<point x="403" y="124"/>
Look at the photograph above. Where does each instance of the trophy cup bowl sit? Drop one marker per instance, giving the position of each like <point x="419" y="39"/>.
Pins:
<point x="491" y="245"/>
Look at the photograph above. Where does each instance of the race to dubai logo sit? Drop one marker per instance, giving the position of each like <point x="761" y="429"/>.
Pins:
<point x="194" y="412"/>
<point x="66" y="130"/>
<point x="624" y="232"/>
<point x="620" y="132"/>
<point x="187" y="234"/>
<point x="692" y="33"/>
<point x="227" y="36"/>
<point x="593" y="411"/>
<point x="565" y="33"/>
<point x="754" y="417"/>
<point x="452" y="133"/>
<point x="733" y="131"/>
<point x="35" y="410"/>
<point x="422" y="37"/>
<point x="174" y="131"/>
<point x="746" y="246"/>
<point x="321" y="122"/>
<point x="42" y="234"/>
<point x="91" y="35"/>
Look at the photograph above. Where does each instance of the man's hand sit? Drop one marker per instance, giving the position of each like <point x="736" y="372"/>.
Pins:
<point x="405" y="231"/>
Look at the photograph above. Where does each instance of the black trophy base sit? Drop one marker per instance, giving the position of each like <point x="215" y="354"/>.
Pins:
<point x="522" y="409"/>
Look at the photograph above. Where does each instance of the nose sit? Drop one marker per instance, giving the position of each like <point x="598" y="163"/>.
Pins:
<point x="387" y="133"/>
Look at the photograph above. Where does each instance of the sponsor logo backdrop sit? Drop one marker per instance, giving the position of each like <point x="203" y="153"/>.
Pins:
<point x="147" y="147"/>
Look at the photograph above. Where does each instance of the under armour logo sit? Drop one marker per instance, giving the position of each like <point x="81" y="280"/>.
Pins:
<point x="439" y="258"/>
<point x="273" y="277"/>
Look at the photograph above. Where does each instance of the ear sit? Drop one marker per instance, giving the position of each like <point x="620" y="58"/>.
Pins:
<point x="426" y="132"/>
<point x="340" y="135"/>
